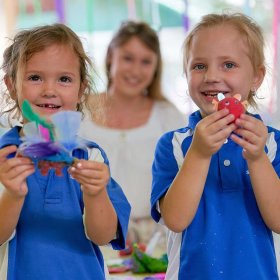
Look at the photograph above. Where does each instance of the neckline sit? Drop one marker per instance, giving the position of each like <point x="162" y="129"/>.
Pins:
<point x="134" y="129"/>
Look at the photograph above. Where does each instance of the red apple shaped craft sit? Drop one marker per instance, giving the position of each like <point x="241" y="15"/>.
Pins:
<point x="233" y="104"/>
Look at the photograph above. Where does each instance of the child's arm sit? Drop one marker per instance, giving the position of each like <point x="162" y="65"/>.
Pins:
<point x="13" y="173"/>
<point x="100" y="216"/>
<point x="265" y="181"/>
<point x="179" y="205"/>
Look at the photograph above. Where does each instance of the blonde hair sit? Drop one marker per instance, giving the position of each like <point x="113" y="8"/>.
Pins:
<point x="28" y="42"/>
<point x="149" y="38"/>
<point x="247" y="27"/>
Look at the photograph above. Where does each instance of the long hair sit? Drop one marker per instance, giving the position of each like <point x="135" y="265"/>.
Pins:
<point x="149" y="38"/>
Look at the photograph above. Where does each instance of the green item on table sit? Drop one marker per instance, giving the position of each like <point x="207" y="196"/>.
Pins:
<point x="143" y="263"/>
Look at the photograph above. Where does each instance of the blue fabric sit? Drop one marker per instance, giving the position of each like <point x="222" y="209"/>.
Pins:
<point x="227" y="238"/>
<point x="50" y="241"/>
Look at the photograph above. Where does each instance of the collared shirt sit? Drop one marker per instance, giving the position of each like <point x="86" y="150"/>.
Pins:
<point x="227" y="238"/>
<point x="50" y="239"/>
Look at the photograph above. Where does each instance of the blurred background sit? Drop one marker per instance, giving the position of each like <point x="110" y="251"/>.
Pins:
<point x="96" y="20"/>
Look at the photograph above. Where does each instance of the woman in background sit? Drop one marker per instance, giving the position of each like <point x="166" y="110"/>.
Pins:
<point x="136" y="114"/>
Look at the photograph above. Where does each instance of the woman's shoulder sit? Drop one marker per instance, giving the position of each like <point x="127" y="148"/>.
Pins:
<point x="168" y="113"/>
<point x="168" y="107"/>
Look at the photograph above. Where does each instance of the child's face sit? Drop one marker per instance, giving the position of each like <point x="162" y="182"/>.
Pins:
<point x="219" y="62"/>
<point x="133" y="67"/>
<point x="51" y="81"/>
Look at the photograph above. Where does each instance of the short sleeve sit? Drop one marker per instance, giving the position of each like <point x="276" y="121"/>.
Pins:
<point x="117" y="197"/>
<point x="273" y="149"/>
<point x="164" y="169"/>
<point x="122" y="208"/>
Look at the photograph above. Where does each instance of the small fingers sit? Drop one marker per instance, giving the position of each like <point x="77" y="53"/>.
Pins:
<point x="4" y="152"/>
<point x="89" y="173"/>
<point x="19" y="170"/>
<point x="252" y="124"/>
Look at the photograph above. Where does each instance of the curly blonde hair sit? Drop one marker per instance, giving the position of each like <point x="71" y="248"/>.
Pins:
<point x="28" y="42"/>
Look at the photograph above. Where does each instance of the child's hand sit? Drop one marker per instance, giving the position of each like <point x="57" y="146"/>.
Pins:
<point x="92" y="175"/>
<point x="253" y="138"/>
<point x="13" y="172"/>
<point x="211" y="133"/>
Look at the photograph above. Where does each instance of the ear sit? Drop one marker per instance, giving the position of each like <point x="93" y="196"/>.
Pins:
<point x="258" y="78"/>
<point x="245" y="104"/>
<point x="10" y="86"/>
<point x="82" y="90"/>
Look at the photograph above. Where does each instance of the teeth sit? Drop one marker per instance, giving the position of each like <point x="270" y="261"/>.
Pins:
<point x="48" y="106"/>
<point x="213" y="93"/>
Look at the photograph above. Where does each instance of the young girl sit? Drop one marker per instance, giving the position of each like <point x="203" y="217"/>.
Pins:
<point x="216" y="182"/>
<point x="51" y="226"/>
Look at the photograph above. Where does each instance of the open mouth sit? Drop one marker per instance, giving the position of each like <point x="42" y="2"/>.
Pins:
<point x="48" y="106"/>
<point x="210" y="95"/>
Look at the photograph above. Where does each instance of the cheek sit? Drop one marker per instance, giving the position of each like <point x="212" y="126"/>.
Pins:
<point x="150" y="75"/>
<point x="192" y="82"/>
<point x="115" y="68"/>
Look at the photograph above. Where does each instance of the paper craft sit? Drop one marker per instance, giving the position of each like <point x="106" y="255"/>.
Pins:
<point x="118" y="265"/>
<point x="143" y="263"/>
<point x="157" y="276"/>
<point x="233" y="104"/>
<point x="50" y="143"/>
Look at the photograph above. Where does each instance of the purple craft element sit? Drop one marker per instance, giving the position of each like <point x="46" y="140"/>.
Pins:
<point x="41" y="150"/>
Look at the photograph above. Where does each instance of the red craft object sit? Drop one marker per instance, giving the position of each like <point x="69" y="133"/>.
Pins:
<point x="234" y="106"/>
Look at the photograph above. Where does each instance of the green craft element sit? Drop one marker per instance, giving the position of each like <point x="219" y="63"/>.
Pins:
<point x="143" y="263"/>
<point x="31" y="116"/>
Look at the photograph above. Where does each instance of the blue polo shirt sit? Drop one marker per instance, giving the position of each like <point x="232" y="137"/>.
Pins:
<point x="227" y="238"/>
<point x="50" y="240"/>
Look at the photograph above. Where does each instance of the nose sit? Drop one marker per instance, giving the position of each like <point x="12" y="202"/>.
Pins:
<point x="212" y="75"/>
<point x="135" y="69"/>
<point x="49" y="89"/>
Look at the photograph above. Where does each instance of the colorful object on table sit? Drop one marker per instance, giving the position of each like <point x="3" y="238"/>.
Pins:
<point x="119" y="265"/>
<point x="129" y="249"/>
<point x="157" y="276"/>
<point x="143" y="263"/>
<point x="50" y="143"/>
<point x="233" y="104"/>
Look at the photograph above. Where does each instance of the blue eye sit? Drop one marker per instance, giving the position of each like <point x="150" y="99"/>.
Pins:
<point x="229" y="65"/>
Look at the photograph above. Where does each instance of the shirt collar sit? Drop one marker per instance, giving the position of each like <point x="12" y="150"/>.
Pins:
<point x="194" y="118"/>
<point x="11" y="137"/>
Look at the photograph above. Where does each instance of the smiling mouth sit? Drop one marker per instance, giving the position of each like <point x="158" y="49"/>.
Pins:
<point x="49" y="106"/>
<point x="213" y="94"/>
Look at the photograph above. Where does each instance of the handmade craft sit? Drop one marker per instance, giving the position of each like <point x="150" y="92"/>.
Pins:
<point x="143" y="263"/>
<point x="50" y="143"/>
<point x="233" y="104"/>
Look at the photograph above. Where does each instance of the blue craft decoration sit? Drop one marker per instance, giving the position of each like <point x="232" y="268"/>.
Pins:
<point x="53" y="140"/>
